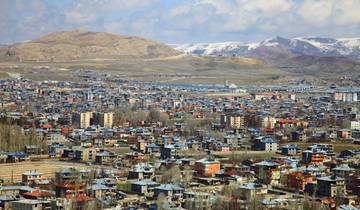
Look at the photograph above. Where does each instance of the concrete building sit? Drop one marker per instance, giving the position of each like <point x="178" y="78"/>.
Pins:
<point x="27" y="204"/>
<point x="345" y="96"/>
<point x="81" y="119"/>
<point x="331" y="186"/>
<point x="235" y="121"/>
<point x="31" y="177"/>
<point x="265" y="144"/>
<point x="248" y="191"/>
<point x="104" y="119"/>
<point x="206" y="167"/>
<point x="267" y="172"/>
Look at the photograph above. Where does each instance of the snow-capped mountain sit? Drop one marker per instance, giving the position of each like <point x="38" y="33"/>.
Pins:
<point x="313" y="46"/>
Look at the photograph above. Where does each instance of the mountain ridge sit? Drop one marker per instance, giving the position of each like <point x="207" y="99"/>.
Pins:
<point x="311" y="45"/>
<point x="80" y="44"/>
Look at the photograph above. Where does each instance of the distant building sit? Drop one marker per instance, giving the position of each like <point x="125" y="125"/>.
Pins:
<point x="141" y="171"/>
<point x="345" y="96"/>
<point x="355" y="125"/>
<point x="143" y="186"/>
<point x="31" y="177"/>
<point x="105" y="157"/>
<point x="206" y="167"/>
<point x="331" y="186"/>
<point x="248" y="191"/>
<point x="344" y="171"/>
<point x="265" y="144"/>
<point x="81" y="119"/>
<point x="267" y="172"/>
<point x="168" y="190"/>
<point x="104" y="119"/>
<point x="290" y="149"/>
<point x="234" y="121"/>
<point x="299" y="180"/>
<point x="85" y="154"/>
<point x="313" y="156"/>
<point x="171" y="150"/>
<point x="27" y="204"/>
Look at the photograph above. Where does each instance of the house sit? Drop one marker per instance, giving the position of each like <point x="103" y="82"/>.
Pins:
<point x="221" y="147"/>
<point x="327" y="148"/>
<point x="105" y="157"/>
<point x="241" y="170"/>
<point x="349" y="153"/>
<point x="344" y="133"/>
<point x="38" y="195"/>
<point x="99" y="190"/>
<point x="299" y="180"/>
<point x="57" y="149"/>
<point x="3" y="157"/>
<point x="347" y="207"/>
<point x="248" y="191"/>
<point x="14" y="157"/>
<point x="172" y="150"/>
<point x="331" y="186"/>
<point x="135" y="156"/>
<point x="206" y="167"/>
<point x="15" y="190"/>
<point x="141" y="171"/>
<point x="143" y="186"/>
<point x="344" y="171"/>
<point x="265" y="144"/>
<point x="85" y="154"/>
<point x="27" y="204"/>
<point x="289" y="150"/>
<point x="152" y="149"/>
<point x="168" y="190"/>
<point x="32" y="150"/>
<point x="5" y="201"/>
<point x="313" y="156"/>
<point x="30" y="177"/>
<point x="267" y="172"/>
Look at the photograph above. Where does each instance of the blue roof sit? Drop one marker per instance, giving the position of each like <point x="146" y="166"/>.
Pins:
<point x="290" y="146"/>
<point x="266" y="163"/>
<point x="169" y="187"/>
<point x="145" y="182"/>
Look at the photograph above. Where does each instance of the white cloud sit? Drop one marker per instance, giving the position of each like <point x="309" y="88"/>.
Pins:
<point x="78" y="17"/>
<point x="316" y="12"/>
<point x="182" y="20"/>
<point x="347" y="12"/>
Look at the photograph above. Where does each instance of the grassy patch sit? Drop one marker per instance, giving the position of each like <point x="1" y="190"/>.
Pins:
<point x="4" y="75"/>
<point x="120" y="150"/>
<point x="126" y="186"/>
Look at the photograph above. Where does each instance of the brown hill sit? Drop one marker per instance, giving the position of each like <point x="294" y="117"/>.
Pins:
<point x="84" y="45"/>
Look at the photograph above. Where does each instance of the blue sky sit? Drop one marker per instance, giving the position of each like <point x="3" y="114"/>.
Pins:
<point x="182" y="21"/>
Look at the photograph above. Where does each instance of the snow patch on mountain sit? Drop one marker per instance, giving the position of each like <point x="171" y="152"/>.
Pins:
<point x="317" y="46"/>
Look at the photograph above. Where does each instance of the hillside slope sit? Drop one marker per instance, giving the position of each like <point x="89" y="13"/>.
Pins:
<point x="82" y="45"/>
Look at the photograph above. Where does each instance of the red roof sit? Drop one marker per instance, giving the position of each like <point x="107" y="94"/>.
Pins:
<point x="286" y="121"/>
<point x="38" y="193"/>
<point x="47" y="126"/>
<point x="80" y="198"/>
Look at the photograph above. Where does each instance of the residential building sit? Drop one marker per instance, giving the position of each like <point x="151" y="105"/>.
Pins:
<point x="81" y="119"/>
<point x="207" y="167"/>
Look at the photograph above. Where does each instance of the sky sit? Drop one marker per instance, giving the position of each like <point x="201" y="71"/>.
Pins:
<point x="182" y="21"/>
